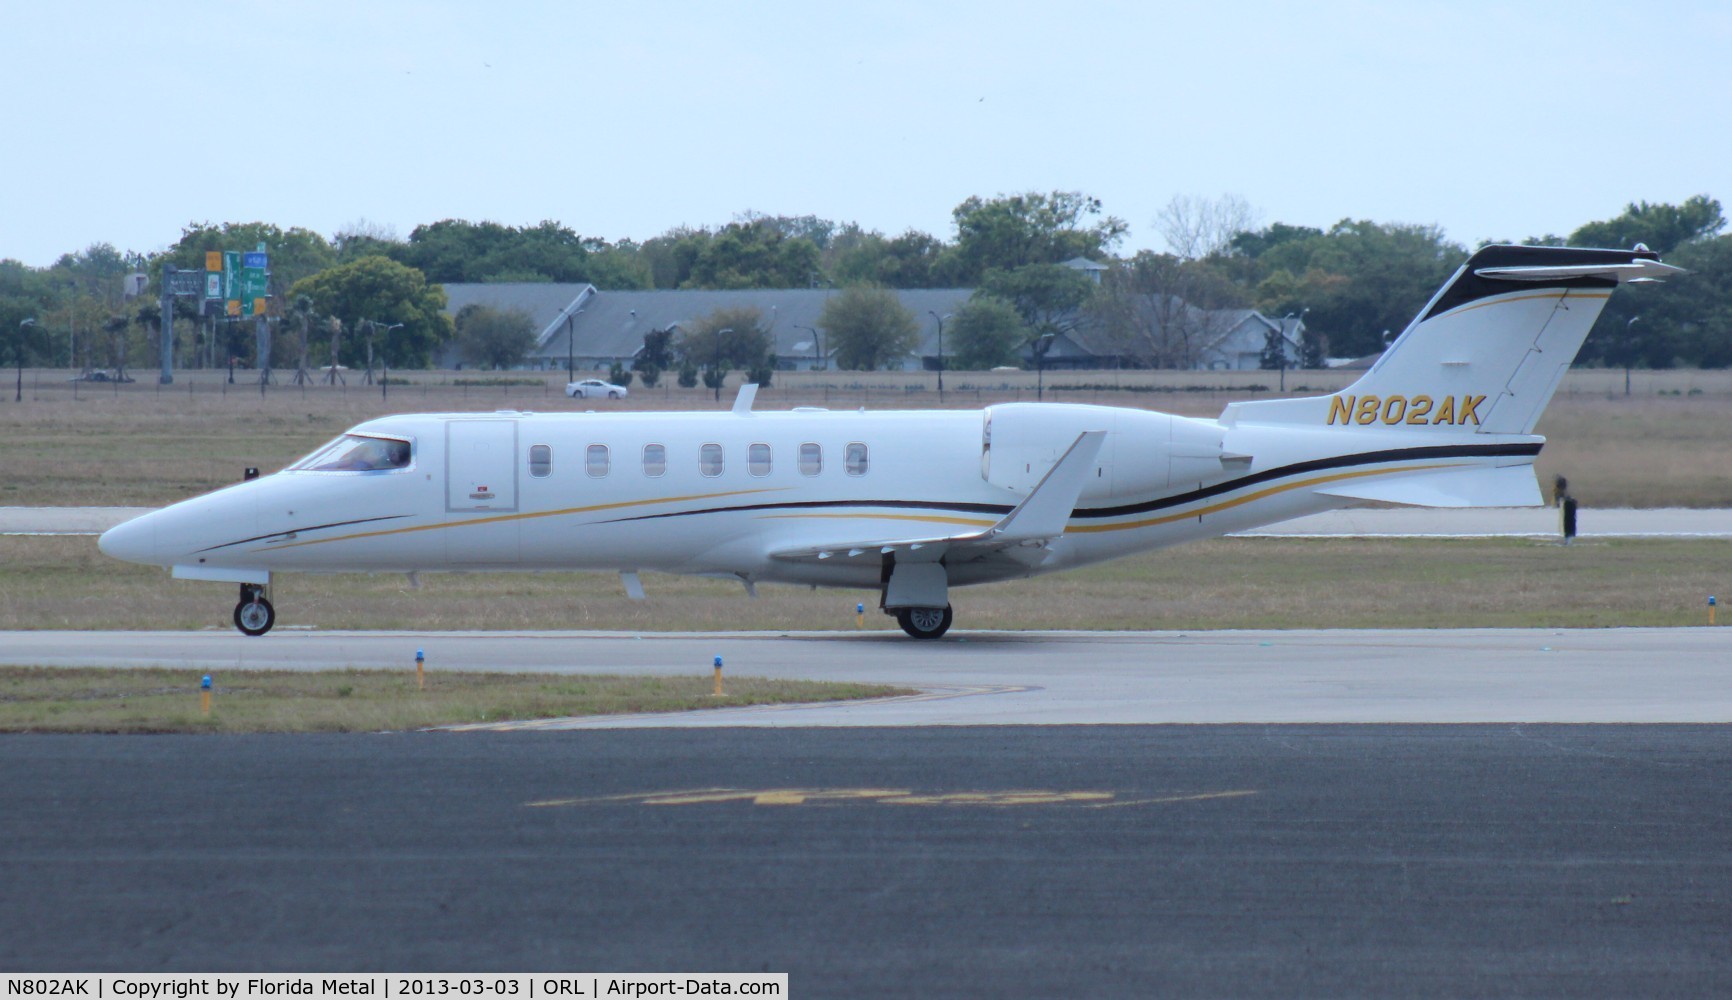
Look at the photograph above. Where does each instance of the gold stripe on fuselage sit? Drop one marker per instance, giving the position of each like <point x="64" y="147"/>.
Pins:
<point x="928" y="519"/>
<point x="498" y="518"/>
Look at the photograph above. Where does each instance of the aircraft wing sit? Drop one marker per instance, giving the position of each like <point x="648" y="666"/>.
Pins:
<point x="1040" y="516"/>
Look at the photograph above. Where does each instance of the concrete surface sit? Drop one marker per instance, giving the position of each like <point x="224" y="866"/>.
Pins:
<point x="1042" y="678"/>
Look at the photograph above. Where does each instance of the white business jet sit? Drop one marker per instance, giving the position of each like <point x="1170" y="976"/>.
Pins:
<point x="911" y="503"/>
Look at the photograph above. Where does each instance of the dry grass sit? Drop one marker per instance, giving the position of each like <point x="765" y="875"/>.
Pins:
<point x="147" y="445"/>
<point x="65" y="583"/>
<point x="40" y="699"/>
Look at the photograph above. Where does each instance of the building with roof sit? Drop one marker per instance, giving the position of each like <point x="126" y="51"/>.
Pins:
<point x="592" y="330"/>
<point x="595" y="330"/>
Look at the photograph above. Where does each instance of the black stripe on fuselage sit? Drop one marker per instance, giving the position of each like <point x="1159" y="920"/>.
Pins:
<point x="296" y="531"/>
<point x="1160" y="503"/>
<point x="1315" y="465"/>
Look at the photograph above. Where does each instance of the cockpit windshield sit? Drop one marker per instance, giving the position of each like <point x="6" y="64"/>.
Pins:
<point x="357" y="453"/>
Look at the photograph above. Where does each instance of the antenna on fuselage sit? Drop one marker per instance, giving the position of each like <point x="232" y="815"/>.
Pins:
<point x="743" y="402"/>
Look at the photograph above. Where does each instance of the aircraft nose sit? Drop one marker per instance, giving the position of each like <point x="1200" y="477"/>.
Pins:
<point x="130" y="541"/>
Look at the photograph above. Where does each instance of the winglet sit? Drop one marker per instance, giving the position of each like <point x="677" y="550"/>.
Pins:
<point x="743" y="402"/>
<point x="1047" y="508"/>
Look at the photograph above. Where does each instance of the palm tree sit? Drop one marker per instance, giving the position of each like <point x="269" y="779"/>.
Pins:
<point x="303" y="313"/>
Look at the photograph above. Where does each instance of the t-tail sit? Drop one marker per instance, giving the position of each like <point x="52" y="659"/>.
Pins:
<point x="1473" y="372"/>
<point x="1487" y="352"/>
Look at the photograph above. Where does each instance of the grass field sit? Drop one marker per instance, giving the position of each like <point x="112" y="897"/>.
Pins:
<point x="1665" y="445"/>
<point x="45" y="700"/>
<point x="65" y="583"/>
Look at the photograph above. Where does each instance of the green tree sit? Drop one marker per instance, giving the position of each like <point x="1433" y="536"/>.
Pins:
<point x="1662" y="227"/>
<point x="1661" y="337"/>
<point x="1688" y="319"/>
<point x="494" y="338"/>
<point x="657" y="351"/>
<point x="1014" y="231"/>
<point x="727" y="339"/>
<point x="1048" y="297"/>
<point x="908" y="261"/>
<point x="25" y="299"/>
<point x="1162" y="310"/>
<point x="753" y="256"/>
<point x="383" y="291"/>
<point x="1359" y="279"/>
<point x="869" y="328"/>
<point x="987" y="333"/>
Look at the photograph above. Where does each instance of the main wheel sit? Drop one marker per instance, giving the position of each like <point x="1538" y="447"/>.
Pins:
<point x="255" y="617"/>
<point x="924" y="623"/>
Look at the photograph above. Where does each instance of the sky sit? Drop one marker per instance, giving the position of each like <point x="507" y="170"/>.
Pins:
<point x="123" y="123"/>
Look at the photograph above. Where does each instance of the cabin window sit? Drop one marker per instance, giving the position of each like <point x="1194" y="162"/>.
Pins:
<point x="595" y="461"/>
<point x="710" y="460"/>
<point x="358" y="453"/>
<point x="758" y="460"/>
<point x="811" y="459"/>
<point x="855" y="460"/>
<point x="540" y="461"/>
<point x="655" y="460"/>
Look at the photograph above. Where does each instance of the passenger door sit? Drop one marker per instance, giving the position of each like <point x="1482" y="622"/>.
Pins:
<point x="481" y="465"/>
<point x="481" y="493"/>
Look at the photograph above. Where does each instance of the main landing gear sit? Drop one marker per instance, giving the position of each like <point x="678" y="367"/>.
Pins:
<point x="924" y="623"/>
<point x="254" y="614"/>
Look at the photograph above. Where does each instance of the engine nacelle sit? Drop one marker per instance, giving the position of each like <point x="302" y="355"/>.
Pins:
<point x="1144" y="452"/>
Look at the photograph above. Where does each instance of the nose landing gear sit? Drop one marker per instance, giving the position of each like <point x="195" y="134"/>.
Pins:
<point x="254" y="614"/>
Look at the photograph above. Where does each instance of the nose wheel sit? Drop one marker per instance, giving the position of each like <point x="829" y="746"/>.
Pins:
<point x="254" y="614"/>
<point x="924" y="623"/>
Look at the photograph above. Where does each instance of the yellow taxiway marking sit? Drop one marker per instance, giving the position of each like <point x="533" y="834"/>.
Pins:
<point x="1088" y="799"/>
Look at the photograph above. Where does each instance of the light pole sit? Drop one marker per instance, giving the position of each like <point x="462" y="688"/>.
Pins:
<point x="385" y="363"/>
<point x="817" y="345"/>
<point x="1629" y="348"/>
<point x="18" y="350"/>
<point x="570" y="340"/>
<point x="1042" y="344"/>
<point x="716" y="369"/>
<point x="934" y="314"/>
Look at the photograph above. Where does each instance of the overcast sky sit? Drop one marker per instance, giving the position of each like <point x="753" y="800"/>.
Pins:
<point x="123" y="122"/>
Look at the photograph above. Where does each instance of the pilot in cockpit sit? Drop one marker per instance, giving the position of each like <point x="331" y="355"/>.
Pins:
<point x="368" y="455"/>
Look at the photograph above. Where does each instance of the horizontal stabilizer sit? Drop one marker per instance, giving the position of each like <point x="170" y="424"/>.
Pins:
<point x="1510" y="486"/>
<point x="1635" y="270"/>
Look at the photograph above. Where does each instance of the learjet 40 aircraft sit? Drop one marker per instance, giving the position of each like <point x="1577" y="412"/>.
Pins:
<point x="911" y="503"/>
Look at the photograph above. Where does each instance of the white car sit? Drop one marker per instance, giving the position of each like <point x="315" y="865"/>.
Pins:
<point x="594" y="388"/>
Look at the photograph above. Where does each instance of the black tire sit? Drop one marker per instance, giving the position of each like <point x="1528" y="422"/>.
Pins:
<point x="613" y="395"/>
<point x="924" y="623"/>
<point x="255" y="617"/>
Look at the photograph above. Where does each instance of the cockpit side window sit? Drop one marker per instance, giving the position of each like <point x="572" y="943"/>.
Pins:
<point x="359" y="453"/>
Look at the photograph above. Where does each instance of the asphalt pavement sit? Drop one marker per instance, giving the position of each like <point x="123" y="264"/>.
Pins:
<point x="1280" y="861"/>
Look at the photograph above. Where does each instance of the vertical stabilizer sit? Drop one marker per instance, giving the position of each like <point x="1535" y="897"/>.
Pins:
<point x="1487" y="352"/>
